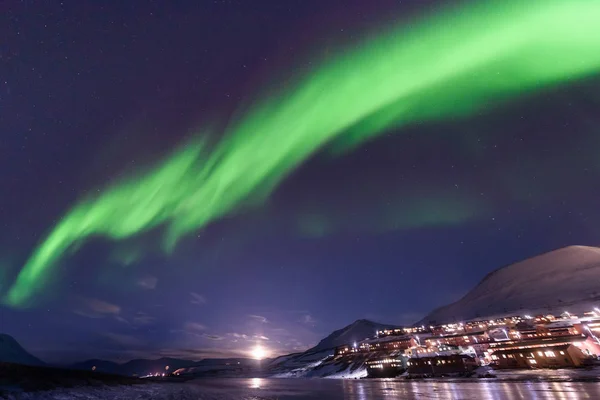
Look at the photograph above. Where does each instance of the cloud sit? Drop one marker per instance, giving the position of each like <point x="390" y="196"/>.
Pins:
<point x="148" y="282"/>
<point x="199" y="353"/>
<point x="197" y="330"/>
<point x="121" y="319"/>
<point x="258" y="318"/>
<point x="239" y="335"/>
<point x="247" y="337"/>
<point x="308" y="320"/>
<point x="212" y="337"/>
<point x="197" y="299"/>
<point x="103" y="307"/>
<point x="94" y="308"/>
<point x="142" y="318"/>
<point x="193" y="327"/>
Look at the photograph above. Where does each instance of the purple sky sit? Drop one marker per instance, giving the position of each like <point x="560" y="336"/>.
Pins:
<point x="90" y="91"/>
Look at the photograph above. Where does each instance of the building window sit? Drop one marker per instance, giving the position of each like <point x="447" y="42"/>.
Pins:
<point x="532" y="361"/>
<point x="550" y="354"/>
<point x="562" y="353"/>
<point x="540" y="354"/>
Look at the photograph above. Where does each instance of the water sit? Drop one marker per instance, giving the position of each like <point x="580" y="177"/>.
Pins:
<point x="323" y="389"/>
<point x="258" y="388"/>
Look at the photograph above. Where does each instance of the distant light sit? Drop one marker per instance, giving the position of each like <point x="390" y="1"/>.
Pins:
<point x="258" y="353"/>
<point x="167" y="368"/>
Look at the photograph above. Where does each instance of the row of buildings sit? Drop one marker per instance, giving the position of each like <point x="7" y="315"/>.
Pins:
<point x="544" y="341"/>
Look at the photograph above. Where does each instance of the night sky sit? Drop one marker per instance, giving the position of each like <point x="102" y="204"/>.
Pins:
<point x="93" y="95"/>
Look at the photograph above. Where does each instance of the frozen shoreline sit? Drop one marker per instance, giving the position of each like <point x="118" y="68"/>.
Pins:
<point x="347" y="389"/>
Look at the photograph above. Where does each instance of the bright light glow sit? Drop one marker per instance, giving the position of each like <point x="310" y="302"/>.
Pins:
<point x="258" y="353"/>
<point x="255" y="383"/>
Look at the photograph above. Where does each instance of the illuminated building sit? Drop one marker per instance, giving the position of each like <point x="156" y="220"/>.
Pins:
<point x="443" y="364"/>
<point x="386" y="367"/>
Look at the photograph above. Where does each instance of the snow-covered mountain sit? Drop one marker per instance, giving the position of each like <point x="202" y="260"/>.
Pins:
<point x="564" y="279"/>
<point x="356" y="331"/>
<point x="12" y="352"/>
<point x="318" y="361"/>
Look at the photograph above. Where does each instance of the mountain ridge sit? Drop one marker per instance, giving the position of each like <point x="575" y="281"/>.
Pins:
<point x="358" y="330"/>
<point x="12" y="352"/>
<point x="551" y="280"/>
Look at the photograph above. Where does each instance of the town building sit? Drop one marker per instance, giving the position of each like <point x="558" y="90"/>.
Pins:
<point x="459" y="339"/>
<point x="562" y="356"/>
<point x="387" y="343"/>
<point x="386" y="367"/>
<point x="547" y="352"/>
<point x="442" y="364"/>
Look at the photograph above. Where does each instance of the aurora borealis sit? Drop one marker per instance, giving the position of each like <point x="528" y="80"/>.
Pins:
<point x="442" y="86"/>
<point x="449" y="65"/>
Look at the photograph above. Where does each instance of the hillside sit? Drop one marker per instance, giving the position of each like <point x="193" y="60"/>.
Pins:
<point x="12" y="352"/>
<point x="358" y="330"/>
<point x="564" y="279"/>
<point x="318" y="362"/>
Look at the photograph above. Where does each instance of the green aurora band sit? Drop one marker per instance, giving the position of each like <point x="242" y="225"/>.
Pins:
<point x="451" y="64"/>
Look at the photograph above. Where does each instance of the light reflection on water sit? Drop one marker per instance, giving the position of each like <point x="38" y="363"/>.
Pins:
<point x="255" y="383"/>
<point x="297" y="389"/>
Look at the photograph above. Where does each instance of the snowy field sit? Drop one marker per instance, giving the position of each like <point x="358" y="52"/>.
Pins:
<point x="298" y="389"/>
